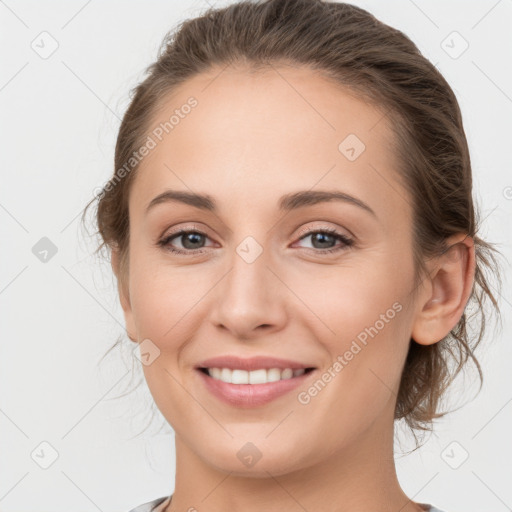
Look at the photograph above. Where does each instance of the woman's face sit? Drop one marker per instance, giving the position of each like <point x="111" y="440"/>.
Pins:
<point x="263" y="278"/>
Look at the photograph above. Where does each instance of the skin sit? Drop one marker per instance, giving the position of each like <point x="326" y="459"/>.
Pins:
<point x="251" y="139"/>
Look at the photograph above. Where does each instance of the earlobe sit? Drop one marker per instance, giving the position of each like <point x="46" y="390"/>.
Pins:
<point x="447" y="291"/>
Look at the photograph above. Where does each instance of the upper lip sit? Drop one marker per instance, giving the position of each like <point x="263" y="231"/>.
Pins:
<point x="251" y="363"/>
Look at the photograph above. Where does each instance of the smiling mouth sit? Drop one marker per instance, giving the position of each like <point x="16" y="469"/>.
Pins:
<point x="258" y="376"/>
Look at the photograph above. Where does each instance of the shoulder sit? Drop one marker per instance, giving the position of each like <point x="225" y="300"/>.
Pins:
<point x="150" y="505"/>
<point x="427" y="507"/>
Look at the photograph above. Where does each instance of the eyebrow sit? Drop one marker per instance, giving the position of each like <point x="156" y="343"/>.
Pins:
<point x="286" y="203"/>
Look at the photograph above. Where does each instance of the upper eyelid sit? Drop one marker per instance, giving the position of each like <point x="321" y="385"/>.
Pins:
<point x="300" y="234"/>
<point x="327" y="229"/>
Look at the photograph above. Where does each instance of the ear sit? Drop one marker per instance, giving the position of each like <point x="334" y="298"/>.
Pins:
<point x="446" y="291"/>
<point x="124" y="295"/>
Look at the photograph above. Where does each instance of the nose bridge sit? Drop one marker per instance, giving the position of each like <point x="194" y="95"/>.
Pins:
<point x="248" y="279"/>
<point x="248" y="296"/>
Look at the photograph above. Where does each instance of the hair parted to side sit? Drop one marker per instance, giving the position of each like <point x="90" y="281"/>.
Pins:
<point x="381" y="65"/>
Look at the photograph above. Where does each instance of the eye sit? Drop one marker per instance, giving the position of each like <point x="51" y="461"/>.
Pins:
<point x="191" y="241"/>
<point x="324" y="238"/>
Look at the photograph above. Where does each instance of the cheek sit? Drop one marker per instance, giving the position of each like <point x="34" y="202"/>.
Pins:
<point x="164" y="305"/>
<point x="367" y="325"/>
<point x="349" y="299"/>
<point x="161" y="297"/>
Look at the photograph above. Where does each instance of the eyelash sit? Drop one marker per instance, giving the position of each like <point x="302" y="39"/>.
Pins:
<point x="348" y="242"/>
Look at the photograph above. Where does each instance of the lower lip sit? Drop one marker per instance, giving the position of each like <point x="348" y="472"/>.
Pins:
<point x="251" y="395"/>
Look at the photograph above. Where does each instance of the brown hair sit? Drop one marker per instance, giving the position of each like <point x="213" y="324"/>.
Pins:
<point x="382" y="65"/>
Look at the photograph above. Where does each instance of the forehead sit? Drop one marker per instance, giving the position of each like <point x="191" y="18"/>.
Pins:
<point x="252" y="136"/>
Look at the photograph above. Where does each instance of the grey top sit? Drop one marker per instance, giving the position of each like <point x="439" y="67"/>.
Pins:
<point x="151" y="505"/>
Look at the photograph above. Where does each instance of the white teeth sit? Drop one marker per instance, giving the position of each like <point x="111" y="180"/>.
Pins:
<point x="215" y="373"/>
<point x="257" y="376"/>
<point x="239" y="377"/>
<point x="287" y="373"/>
<point x="261" y="376"/>
<point x="273" y="375"/>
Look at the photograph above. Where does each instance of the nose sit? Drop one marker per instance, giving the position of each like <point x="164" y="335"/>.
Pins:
<point x="250" y="301"/>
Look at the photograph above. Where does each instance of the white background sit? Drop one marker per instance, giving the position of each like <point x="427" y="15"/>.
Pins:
<point x="60" y="117"/>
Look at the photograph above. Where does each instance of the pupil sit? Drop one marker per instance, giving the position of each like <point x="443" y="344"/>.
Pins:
<point x="322" y="237"/>
<point x="190" y="237"/>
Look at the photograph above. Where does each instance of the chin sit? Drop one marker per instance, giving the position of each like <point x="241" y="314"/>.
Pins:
<point x="247" y="460"/>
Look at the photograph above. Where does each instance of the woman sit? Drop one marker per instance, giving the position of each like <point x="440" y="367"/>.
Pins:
<point x="294" y="237"/>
